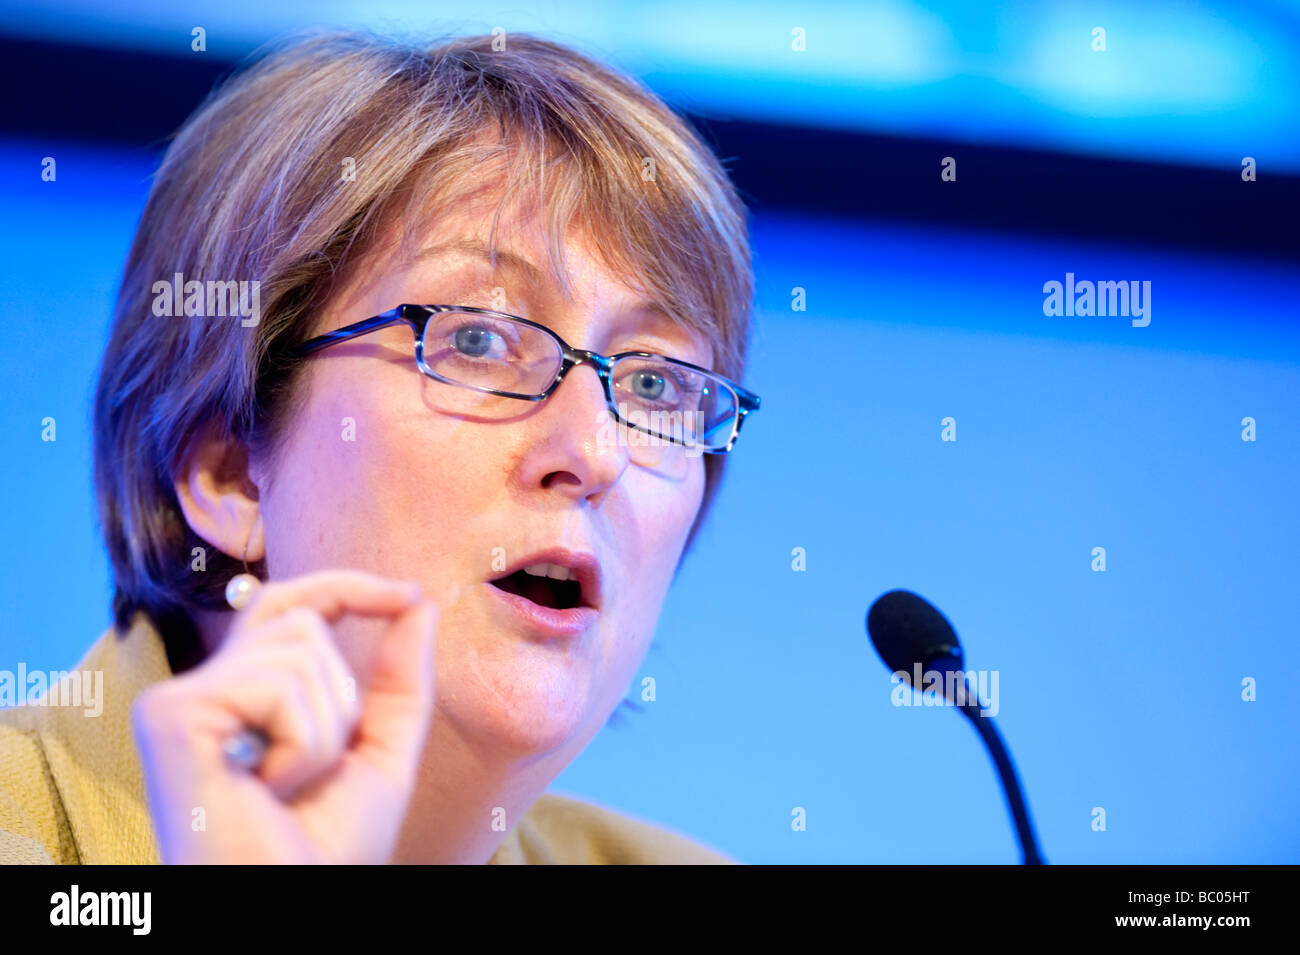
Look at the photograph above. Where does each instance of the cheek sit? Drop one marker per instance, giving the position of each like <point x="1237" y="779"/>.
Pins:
<point x="659" y="514"/>
<point x="370" y="478"/>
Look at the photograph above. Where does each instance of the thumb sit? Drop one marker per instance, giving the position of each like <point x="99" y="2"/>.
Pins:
<point x="399" y="696"/>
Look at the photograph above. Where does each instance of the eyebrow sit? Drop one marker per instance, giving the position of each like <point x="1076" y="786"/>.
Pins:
<point x="477" y="249"/>
<point x="512" y="261"/>
<point x="507" y="260"/>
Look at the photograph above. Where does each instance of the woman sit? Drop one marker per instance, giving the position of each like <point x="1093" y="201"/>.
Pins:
<point x="367" y="501"/>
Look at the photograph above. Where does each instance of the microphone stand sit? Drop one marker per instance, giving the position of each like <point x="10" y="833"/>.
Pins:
<point x="1001" y="759"/>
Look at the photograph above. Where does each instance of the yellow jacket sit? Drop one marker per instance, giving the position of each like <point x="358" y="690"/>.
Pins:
<point x="72" y="788"/>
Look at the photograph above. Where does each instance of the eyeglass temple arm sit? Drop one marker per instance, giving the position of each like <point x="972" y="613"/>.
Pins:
<point x="350" y="331"/>
<point x="748" y="400"/>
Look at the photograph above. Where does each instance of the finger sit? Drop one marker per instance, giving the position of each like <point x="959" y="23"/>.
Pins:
<point x="299" y="751"/>
<point x="331" y="593"/>
<point x="288" y="692"/>
<point x="400" y="693"/>
<point x="186" y="722"/>
<point x="305" y="628"/>
<point x="303" y="643"/>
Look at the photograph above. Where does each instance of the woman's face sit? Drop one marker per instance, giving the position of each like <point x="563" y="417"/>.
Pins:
<point x="377" y="474"/>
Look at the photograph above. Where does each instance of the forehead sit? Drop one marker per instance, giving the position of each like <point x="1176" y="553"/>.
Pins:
<point x="510" y="238"/>
<point x="479" y="237"/>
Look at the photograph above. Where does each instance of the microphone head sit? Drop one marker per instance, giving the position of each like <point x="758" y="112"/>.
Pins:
<point x="907" y="629"/>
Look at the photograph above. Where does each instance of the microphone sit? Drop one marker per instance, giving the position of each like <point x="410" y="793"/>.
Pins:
<point x="909" y="633"/>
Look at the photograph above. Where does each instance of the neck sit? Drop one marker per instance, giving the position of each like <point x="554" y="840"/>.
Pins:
<point x="464" y="806"/>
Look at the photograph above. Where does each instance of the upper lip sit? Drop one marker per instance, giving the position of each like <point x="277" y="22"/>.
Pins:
<point x="584" y="566"/>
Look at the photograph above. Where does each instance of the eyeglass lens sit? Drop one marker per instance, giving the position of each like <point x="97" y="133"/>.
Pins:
<point x="655" y="397"/>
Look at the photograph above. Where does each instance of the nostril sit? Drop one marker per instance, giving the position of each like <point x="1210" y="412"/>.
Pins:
<point x="561" y="478"/>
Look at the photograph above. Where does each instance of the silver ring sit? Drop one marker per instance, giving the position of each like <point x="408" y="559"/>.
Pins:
<point x="246" y="749"/>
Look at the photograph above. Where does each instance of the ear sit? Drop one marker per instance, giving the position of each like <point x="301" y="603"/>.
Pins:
<point x="218" y="497"/>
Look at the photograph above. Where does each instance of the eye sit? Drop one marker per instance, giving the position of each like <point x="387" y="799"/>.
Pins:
<point x="659" y="384"/>
<point x="479" y="341"/>
<point x="649" y="384"/>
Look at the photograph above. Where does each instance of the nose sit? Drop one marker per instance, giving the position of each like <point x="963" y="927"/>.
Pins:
<point x="575" y="450"/>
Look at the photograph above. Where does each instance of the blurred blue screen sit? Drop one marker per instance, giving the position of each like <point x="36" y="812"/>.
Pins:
<point x="1119" y="689"/>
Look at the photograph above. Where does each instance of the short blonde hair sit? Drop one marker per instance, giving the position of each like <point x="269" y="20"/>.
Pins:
<point x="251" y="189"/>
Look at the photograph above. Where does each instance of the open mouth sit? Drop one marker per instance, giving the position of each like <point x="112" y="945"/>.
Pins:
<point x="543" y="585"/>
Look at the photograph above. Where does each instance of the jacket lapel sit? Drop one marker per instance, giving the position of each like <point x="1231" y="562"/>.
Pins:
<point x="92" y="755"/>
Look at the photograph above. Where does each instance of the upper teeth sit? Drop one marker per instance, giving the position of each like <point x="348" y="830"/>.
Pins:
<point x="554" y="571"/>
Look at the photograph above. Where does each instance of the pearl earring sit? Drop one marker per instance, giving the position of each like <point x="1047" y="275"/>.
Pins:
<point x="247" y="748"/>
<point x="242" y="587"/>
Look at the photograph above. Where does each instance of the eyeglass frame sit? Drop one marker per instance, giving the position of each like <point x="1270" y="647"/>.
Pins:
<point x="418" y="316"/>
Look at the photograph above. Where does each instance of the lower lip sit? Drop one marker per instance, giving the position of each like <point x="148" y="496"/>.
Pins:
<point x="547" y="620"/>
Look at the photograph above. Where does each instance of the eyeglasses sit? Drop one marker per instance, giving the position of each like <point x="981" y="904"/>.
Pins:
<point x="493" y="353"/>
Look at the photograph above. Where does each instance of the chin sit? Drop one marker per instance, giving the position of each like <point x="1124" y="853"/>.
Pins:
<point x="523" y="712"/>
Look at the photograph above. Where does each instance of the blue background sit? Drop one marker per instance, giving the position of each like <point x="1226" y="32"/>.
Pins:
<point x="1119" y="690"/>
